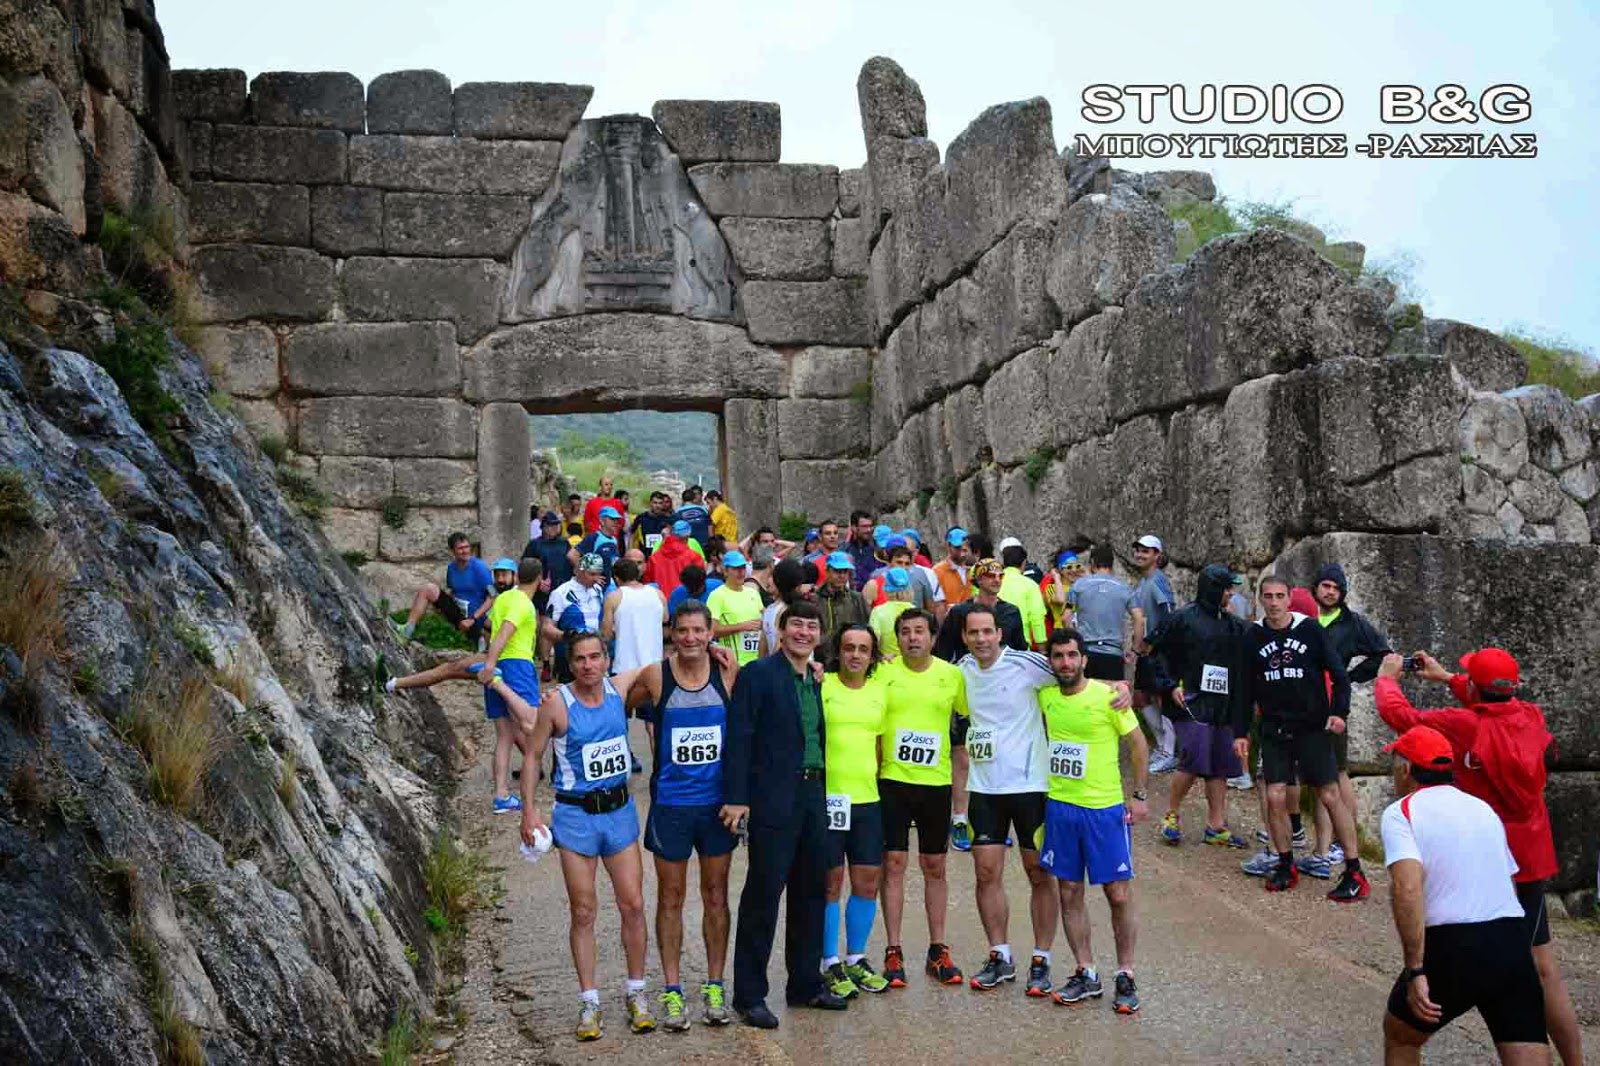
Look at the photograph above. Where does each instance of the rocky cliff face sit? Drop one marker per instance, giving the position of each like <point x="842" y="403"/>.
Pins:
<point x="211" y="827"/>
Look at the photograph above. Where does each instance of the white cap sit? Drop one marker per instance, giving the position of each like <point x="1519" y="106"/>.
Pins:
<point x="1009" y="542"/>
<point x="1149" y="540"/>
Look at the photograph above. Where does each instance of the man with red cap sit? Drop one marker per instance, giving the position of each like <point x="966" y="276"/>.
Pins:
<point x="1502" y="750"/>
<point x="1461" y="926"/>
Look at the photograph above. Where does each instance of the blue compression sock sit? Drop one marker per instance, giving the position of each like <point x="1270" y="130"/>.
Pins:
<point x="859" y="915"/>
<point x="830" y="929"/>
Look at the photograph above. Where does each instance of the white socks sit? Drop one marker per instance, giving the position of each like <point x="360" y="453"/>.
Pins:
<point x="1004" y="950"/>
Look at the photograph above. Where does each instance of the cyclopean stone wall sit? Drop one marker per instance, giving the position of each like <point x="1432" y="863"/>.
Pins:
<point x="391" y="276"/>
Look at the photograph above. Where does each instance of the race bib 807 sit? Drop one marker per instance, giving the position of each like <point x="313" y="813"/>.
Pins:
<point x="915" y="748"/>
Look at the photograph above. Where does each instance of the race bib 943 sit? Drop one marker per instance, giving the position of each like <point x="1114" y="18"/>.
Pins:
<point x="605" y="758"/>
<point x="697" y="745"/>
<point x="838" y="809"/>
<point x="1214" y="679"/>
<point x="980" y="745"/>
<point x="1068" y="759"/>
<point x="914" y="748"/>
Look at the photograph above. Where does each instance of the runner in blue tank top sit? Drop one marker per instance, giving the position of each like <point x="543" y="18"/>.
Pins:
<point x="685" y="707"/>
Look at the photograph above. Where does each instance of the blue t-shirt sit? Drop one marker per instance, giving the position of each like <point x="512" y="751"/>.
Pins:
<point x="469" y="585"/>
<point x="681" y="593"/>
<point x="699" y="520"/>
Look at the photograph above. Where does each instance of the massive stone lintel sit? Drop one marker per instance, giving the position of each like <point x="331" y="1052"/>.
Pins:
<point x="519" y="110"/>
<point x="621" y="230"/>
<point x="388" y="426"/>
<point x="597" y="360"/>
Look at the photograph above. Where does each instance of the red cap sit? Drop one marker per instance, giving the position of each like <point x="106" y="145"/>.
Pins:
<point x="1302" y="602"/>
<point x="1424" y="746"/>
<point x="1491" y="669"/>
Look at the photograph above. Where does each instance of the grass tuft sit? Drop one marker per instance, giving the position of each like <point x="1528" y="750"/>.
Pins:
<point x="355" y="560"/>
<point x="275" y="448"/>
<point x="288" y="793"/>
<point x="16" y="499"/>
<point x="1557" y="361"/>
<point x="950" y="490"/>
<point x="458" y="880"/>
<point x="172" y="725"/>
<point x="1037" y="464"/>
<point x="304" y="492"/>
<point x="400" y="1040"/>
<point x="434" y="632"/>
<point x="193" y="641"/>
<point x="26" y="789"/>
<point x="31" y="619"/>
<point x="792" y="525"/>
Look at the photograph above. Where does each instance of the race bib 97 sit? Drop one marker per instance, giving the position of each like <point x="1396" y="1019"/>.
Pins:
<point x="606" y="758"/>
<point x="915" y="748"/>
<point x="1068" y="759"/>
<point x="652" y="541"/>
<point x="980" y="745"/>
<point x="697" y="745"/>
<point x="838" y="810"/>
<point x="750" y="641"/>
<point x="1214" y="679"/>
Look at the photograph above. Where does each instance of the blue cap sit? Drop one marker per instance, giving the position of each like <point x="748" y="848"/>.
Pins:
<point x="912" y="535"/>
<point x="549" y="517"/>
<point x="610" y="512"/>
<point x="734" y="559"/>
<point x="1066" y="557"/>
<point x="881" y="535"/>
<point x="681" y="528"/>
<point x="841" y="561"/>
<point x="812" y="534"/>
<point x="895" y="579"/>
<point x="896" y="541"/>
<point x="956" y="537"/>
<point x="504" y="563"/>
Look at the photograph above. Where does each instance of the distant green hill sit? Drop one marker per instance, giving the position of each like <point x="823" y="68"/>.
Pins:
<point x="684" y="441"/>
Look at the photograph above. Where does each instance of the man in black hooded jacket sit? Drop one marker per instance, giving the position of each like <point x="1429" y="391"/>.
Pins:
<point x="1199" y="658"/>
<point x="1349" y="637"/>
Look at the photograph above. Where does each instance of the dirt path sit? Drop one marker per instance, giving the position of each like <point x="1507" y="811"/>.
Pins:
<point x="1227" y="973"/>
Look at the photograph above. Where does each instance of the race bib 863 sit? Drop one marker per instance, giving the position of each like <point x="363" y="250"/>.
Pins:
<point x="697" y="745"/>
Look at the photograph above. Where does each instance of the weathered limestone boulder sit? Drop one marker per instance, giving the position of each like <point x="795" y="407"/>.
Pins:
<point x="850" y="258"/>
<point x="830" y="488"/>
<point x="373" y="358"/>
<point x="1075" y="380"/>
<point x="851" y="184"/>
<point x="36" y="38"/>
<point x="133" y="178"/>
<point x="1572" y="798"/>
<point x="1348" y="256"/>
<point x="891" y="103"/>
<point x="352" y="530"/>
<point x="751" y="433"/>
<point x="463" y="291"/>
<point x="788" y="249"/>
<point x="453" y="164"/>
<point x="242" y="359"/>
<point x="410" y="101"/>
<point x="53" y="171"/>
<point x="245" y="212"/>
<point x="768" y="190"/>
<point x="1482" y="493"/>
<point x="1242" y="307"/>
<point x="1175" y="188"/>
<point x="1581" y="482"/>
<point x="357" y="481"/>
<point x="1001" y="170"/>
<point x="897" y="175"/>
<point x="38" y="247"/>
<point x="346" y="220"/>
<point x="388" y="426"/>
<point x="438" y="224"/>
<point x="594" y="359"/>
<point x="426" y="530"/>
<point x="1103" y="246"/>
<point x="808" y="312"/>
<point x="1457" y="610"/>
<point x="966" y="430"/>
<point x="1558" y="429"/>
<point x="1486" y="361"/>
<point x="238" y="281"/>
<point x="1494" y="434"/>
<point x="831" y="373"/>
<point x="210" y="95"/>
<point x="327" y="100"/>
<point x="1537" y="495"/>
<point x="278" y="154"/>
<point x="436" y="482"/>
<point x="888" y="408"/>
<point x="1011" y="407"/>
<point x="519" y="110"/>
<point x="821" y="429"/>
<point x="505" y="448"/>
<point x="721" y="131"/>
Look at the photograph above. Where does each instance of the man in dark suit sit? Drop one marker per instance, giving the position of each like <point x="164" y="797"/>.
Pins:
<point x="772" y="776"/>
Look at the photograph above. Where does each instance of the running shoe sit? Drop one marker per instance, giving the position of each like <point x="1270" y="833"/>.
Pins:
<point x="674" y="1015"/>
<point x="1127" y="1000"/>
<point x="1352" y="886"/>
<point x="941" y="967"/>
<point x="1171" y="831"/>
<point x="1316" y="866"/>
<point x="994" y="971"/>
<point x="640" y="1020"/>
<point x="865" y="977"/>
<point x="507" y="804"/>
<point x="1221" y="838"/>
<point x="1335" y="852"/>
<point x="1242" y="783"/>
<point x="715" y="1003"/>
<point x="1283" y="879"/>
<point x="588" y="1020"/>
<point x="839" y="982"/>
<point x="1038" y="977"/>
<point x="1078" y="987"/>
<point x="960" y="836"/>
<point x="1163" y="764"/>
<point x="894" y="967"/>
<point x="1261" y="864"/>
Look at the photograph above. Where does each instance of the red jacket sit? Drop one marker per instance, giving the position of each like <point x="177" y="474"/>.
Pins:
<point x="1499" y="751"/>
<point x="667" y="562"/>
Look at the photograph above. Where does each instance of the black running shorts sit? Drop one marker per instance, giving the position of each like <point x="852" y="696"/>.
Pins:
<point x="994" y="815"/>
<point x="1487" y="966"/>
<point x="1531" y="895"/>
<point x="925" y="806"/>
<point x="1105" y="667"/>
<point x="1307" y="759"/>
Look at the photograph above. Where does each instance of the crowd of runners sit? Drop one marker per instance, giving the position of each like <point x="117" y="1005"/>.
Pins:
<point x="820" y="699"/>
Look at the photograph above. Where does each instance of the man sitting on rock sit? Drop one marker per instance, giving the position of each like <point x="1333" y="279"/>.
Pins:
<point x="469" y="585"/>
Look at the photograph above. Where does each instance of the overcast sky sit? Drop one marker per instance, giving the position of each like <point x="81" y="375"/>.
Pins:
<point x="1496" y="242"/>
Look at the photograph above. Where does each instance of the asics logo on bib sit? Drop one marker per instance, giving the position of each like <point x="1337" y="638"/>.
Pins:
<point x="697" y="745"/>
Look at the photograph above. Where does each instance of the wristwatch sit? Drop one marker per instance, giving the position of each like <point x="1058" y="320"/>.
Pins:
<point x="1411" y="973"/>
<point x="1140" y="795"/>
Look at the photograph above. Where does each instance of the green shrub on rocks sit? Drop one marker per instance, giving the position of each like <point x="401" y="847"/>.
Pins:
<point x="792" y="525"/>
<point x="134" y="357"/>
<point x="304" y="492"/>
<point x="1556" y="361"/>
<point x="394" y="510"/>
